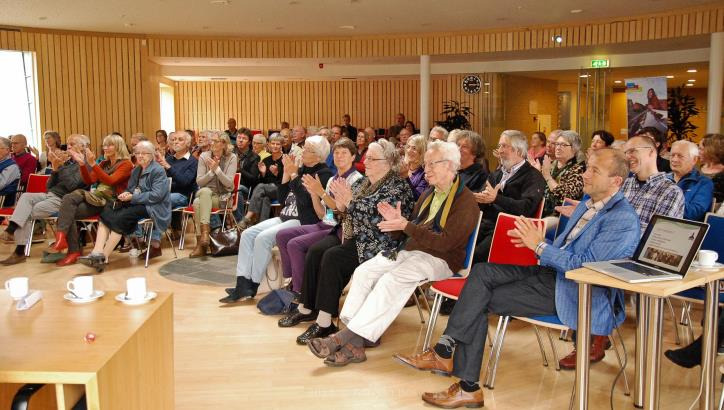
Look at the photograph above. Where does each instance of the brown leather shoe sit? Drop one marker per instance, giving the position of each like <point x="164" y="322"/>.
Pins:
<point x="154" y="252"/>
<point x="200" y="250"/>
<point x="427" y="361"/>
<point x="13" y="259"/>
<point x="455" y="397"/>
<point x="596" y="354"/>
<point x="205" y="231"/>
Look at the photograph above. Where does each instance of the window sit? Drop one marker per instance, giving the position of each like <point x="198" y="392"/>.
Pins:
<point x="18" y="108"/>
<point x="168" y="120"/>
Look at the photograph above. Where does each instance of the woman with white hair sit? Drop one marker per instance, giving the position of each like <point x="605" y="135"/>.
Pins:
<point x="256" y="242"/>
<point x="433" y="247"/>
<point x="146" y="196"/>
<point x="564" y="176"/>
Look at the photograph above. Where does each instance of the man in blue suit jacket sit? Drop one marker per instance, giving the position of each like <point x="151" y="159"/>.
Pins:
<point x="603" y="226"/>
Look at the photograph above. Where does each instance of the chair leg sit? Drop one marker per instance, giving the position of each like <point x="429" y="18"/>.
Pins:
<point x="148" y="241"/>
<point x="540" y="344"/>
<point x="433" y="320"/>
<point x="417" y="303"/>
<point x="498" y="348"/>
<point x="553" y="348"/>
<point x="621" y="364"/>
<point x="173" y="248"/>
<point x="673" y="319"/>
<point x="689" y="322"/>
<point x="573" y="395"/>
<point x="682" y="319"/>
<point x="721" y="399"/>
<point x="29" y="242"/>
<point x="184" y="226"/>
<point x="563" y="335"/>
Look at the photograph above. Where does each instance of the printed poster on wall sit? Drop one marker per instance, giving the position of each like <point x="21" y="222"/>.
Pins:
<point x="646" y="101"/>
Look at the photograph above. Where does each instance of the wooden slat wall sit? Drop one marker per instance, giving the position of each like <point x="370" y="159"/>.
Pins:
<point x="86" y="84"/>
<point x="680" y="23"/>
<point x="264" y="104"/>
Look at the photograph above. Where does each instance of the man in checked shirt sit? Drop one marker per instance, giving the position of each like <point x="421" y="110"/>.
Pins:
<point x="648" y="190"/>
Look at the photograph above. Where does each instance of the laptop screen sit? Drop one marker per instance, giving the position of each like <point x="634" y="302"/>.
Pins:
<point x="670" y="244"/>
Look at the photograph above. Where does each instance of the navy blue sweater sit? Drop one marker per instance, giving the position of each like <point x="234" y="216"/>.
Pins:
<point x="183" y="174"/>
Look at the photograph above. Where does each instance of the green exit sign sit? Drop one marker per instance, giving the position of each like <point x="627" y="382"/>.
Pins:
<point x="600" y="63"/>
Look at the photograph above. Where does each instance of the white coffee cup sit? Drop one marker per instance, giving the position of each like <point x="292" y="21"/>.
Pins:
<point x="81" y="286"/>
<point x="136" y="288"/>
<point x="707" y="258"/>
<point x="18" y="287"/>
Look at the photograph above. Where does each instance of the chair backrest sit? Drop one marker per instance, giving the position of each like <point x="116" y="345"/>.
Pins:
<point x="563" y="220"/>
<point x="237" y="184"/>
<point x="502" y="249"/>
<point x="470" y="248"/>
<point x="713" y="239"/>
<point x="37" y="183"/>
<point x="539" y="211"/>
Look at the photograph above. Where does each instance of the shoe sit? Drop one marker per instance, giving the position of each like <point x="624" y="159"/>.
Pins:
<point x="688" y="356"/>
<point x="427" y="361"/>
<point x="60" y="243"/>
<point x="70" y="259"/>
<point x="455" y="397"/>
<point x="97" y="261"/>
<point x="154" y="252"/>
<point x="202" y="242"/>
<point x="446" y="307"/>
<point x="245" y="289"/>
<point x="296" y="318"/>
<point x="52" y="257"/>
<point x="13" y="259"/>
<point x="314" y="331"/>
<point x="596" y="354"/>
<point x="128" y="244"/>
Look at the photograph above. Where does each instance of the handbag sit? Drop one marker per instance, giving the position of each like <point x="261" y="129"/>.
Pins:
<point x="224" y="242"/>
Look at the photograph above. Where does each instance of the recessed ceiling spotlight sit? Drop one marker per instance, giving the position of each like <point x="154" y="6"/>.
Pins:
<point x="279" y="28"/>
<point x="691" y="70"/>
<point x="349" y="27"/>
<point x="42" y="18"/>
<point x="618" y="81"/>
<point x="129" y="24"/>
<point x="690" y="85"/>
<point x="204" y="27"/>
<point x="426" y="24"/>
<point x="691" y="80"/>
<point x="669" y="76"/>
<point x="557" y="38"/>
<point x="501" y="19"/>
<point x="220" y="2"/>
<point x="576" y="11"/>
<point x="583" y="75"/>
<point x="294" y="3"/>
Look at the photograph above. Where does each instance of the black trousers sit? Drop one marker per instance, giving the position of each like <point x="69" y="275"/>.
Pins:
<point x="73" y="207"/>
<point x="328" y="267"/>
<point x="506" y="290"/>
<point x="485" y="238"/>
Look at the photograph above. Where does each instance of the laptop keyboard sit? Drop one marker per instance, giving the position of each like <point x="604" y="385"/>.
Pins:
<point x="640" y="269"/>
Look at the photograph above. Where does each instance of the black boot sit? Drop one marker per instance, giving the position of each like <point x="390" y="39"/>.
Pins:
<point x="688" y="357"/>
<point x="236" y="293"/>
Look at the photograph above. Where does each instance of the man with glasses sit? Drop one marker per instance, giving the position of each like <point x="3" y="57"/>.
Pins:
<point x="514" y="188"/>
<point x="648" y="190"/>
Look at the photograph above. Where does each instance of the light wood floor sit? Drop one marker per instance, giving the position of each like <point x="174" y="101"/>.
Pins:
<point x="234" y="357"/>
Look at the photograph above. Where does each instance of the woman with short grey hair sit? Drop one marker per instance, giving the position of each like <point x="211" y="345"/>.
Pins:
<point x="564" y="176"/>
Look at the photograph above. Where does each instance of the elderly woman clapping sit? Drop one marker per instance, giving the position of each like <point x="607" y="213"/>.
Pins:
<point x="435" y="238"/>
<point x="257" y="241"/>
<point x="147" y="196"/>
<point x="564" y="176"/>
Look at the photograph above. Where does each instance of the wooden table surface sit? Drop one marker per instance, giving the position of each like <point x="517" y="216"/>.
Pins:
<point x="665" y="288"/>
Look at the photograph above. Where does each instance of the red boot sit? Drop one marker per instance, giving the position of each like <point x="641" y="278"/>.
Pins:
<point x="60" y="242"/>
<point x="69" y="259"/>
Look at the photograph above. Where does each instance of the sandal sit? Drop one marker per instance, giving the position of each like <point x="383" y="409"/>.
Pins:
<point x="346" y="355"/>
<point x="324" y="347"/>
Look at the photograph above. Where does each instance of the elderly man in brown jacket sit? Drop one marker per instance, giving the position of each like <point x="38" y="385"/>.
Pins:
<point x="442" y="221"/>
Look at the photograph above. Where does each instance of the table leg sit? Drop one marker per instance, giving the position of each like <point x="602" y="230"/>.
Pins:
<point x="583" y="344"/>
<point x="653" y="352"/>
<point x="642" y="317"/>
<point x="709" y="345"/>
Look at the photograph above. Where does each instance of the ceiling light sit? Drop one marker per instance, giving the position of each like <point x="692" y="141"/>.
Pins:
<point x="618" y="81"/>
<point x="690" y="85"/>
<point x="293" y="3"/>
<point x="691" y="70"/>
<point x="691" y="80"/>
<point x="279" y="28"/>
<point x="583" y="75"/>
<point x="349" y="27"/>
<point x="128" y="24"/>
<point x="220" y="2"/>
<point x="669" y="76"/>
<point x="42" y="18"/>
<point x="557" y="38"/>
<point x="576" y="11"/>
<point x="204" y="27"/>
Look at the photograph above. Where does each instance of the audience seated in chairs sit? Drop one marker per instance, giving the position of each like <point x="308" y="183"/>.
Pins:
<point x="215" y="179"/>
<point x="9" y="174"/>
<point x="294" y="242"/>
<point x="364" y="139"/>
<point x="711" y="149"/>
<point x="473" y="169"/>
<point x="146" y="196"/>
<point x="202" y="144"/>
<point x="27" y="163"/>
<point x="412" y="169"/>
<point x="600" y="139"/>
<point x="649" y="191"/>
<point x="603" y="227"/>
<point x="515" y="188"/>
<point x="111" y="175"/>
<point x="432" y="248"/>
<point x="259" y="145"/>
<point x="65" y="179"/>
<point x="256" y="242"/>
<point x="562" y="176"/>
<point x="271" y="170"/>
<point x="329" y="263"/>
<point x="438" y="133"/>
<point x="697" y="188"/>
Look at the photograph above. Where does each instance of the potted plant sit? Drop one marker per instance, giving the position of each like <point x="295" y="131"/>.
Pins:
<point x="681" y="108"/>
<point x="456" y="115"/>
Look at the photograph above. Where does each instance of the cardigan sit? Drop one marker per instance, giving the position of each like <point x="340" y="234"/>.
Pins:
<point x="150" y="187"/>
<point x="117" y="178"/>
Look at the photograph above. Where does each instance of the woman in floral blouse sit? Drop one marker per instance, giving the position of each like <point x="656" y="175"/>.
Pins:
<point x="331" y="261"/>
<point x="564" y="176"/>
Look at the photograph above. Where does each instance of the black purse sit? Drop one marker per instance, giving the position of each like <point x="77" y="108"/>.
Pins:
<point x="224" y="242"/>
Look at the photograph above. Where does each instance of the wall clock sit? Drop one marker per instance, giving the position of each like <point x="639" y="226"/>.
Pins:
<point x="471" y="84"/>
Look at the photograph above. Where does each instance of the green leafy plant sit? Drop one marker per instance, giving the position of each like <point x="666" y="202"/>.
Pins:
<point x="456" y="115"/>
<point x="681" y="108"/>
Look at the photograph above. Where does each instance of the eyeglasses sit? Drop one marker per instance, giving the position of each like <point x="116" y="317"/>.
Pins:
<point x="433" y="163"/>
<point x="501" y="146"/>
<point x="560" y="144"/>
<point x="370" y="159"/>
<point x="631" y="151"/>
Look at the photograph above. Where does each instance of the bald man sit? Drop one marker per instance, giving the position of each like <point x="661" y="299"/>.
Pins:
<point x="26" y="162"/>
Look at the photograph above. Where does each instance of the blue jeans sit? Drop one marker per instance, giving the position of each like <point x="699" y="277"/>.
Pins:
<point x="255" y="247"/>
<point x="239" y="211"/>
<point x="177" y="200"/>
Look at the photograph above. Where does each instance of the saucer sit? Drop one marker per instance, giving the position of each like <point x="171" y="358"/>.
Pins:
<point x="715" y="266"/>
<point x="150" y="295"/>
<point x="96" y="294"/>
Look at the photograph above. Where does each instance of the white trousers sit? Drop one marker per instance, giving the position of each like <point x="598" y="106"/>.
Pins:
<point x="380" y="288"/>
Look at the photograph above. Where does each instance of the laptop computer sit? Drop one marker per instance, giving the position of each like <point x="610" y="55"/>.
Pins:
<point x="665" y="252"/>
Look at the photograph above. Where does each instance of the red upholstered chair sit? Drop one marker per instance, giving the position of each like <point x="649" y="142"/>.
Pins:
<point x="188" y="212"/>
<point x="37" y="183"/>
<point x="539" y="211"/>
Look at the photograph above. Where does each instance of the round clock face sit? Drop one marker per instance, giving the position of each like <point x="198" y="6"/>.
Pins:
<point x="471" y="84"/>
